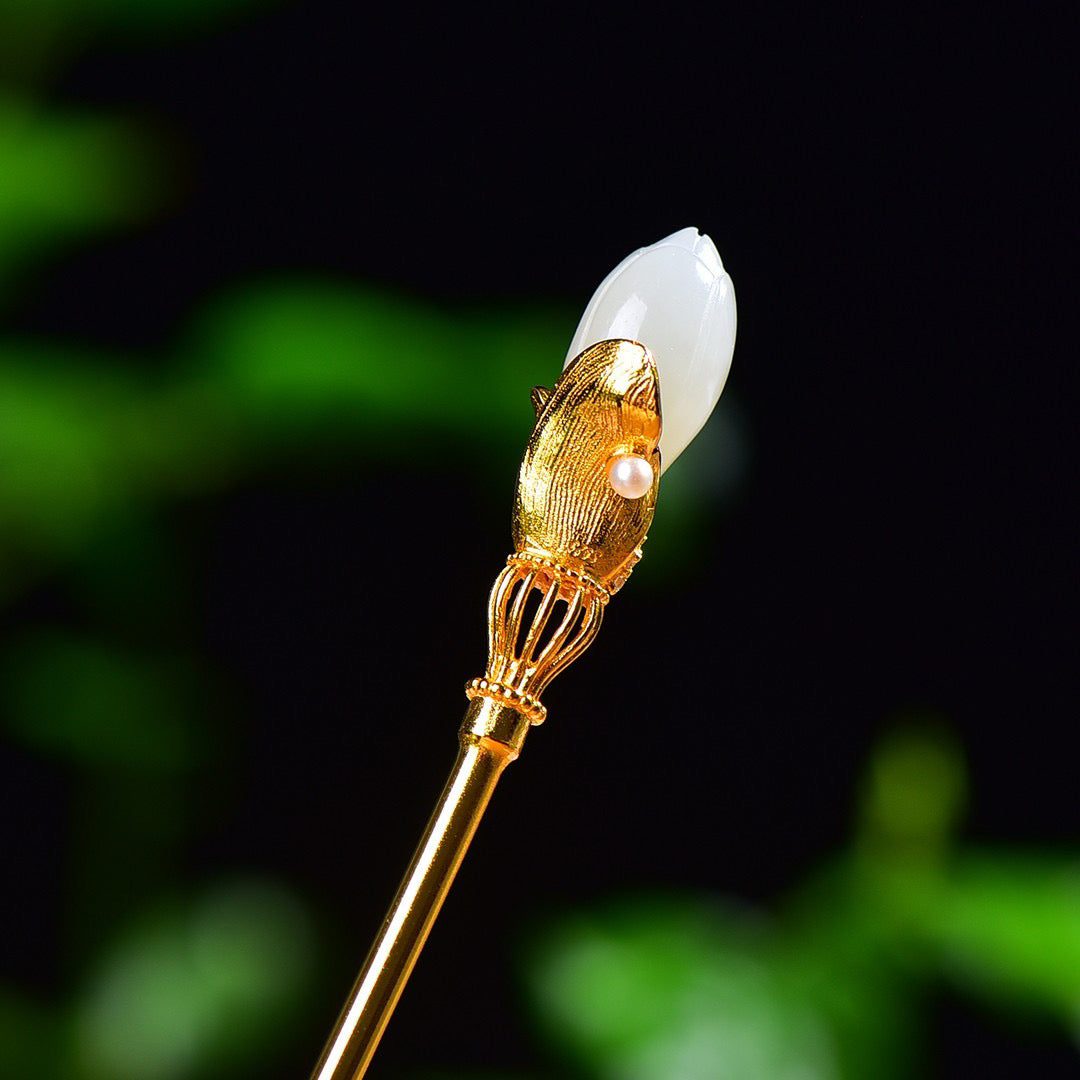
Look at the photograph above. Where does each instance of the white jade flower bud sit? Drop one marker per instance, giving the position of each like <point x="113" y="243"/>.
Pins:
<point x="676" y="299"/>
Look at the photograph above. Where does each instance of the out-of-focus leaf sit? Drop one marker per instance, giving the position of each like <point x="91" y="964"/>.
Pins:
<point x="83" y="443"/>
<point x="1008" y="928"/>
<point x="914" y="791"/>
<point x="192" y="992"/>
<point x="63" y="175"/>
<point x="59" y="466"/>
<point x="650" y="991"/>
<point x="32" y="1036"/>
<point x="295" y="355"/>
<point x="98" y="706"/>
<point x="848" y="941"/>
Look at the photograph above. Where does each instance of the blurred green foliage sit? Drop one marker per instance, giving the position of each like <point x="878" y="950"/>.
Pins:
<point x="192" y="990"/>
<point x="66" y="175"/>
<point x="667" y="988"/>
<point x="97" y="706"/>
<point x="161" y="983"/>
<point x="831" y="985"/>
<point x="92" y="447"/>
<point x="1009" y="927"/>
<point x="187" y="992"/>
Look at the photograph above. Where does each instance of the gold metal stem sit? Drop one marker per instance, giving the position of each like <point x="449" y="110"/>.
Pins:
<point x="491" y="737"/>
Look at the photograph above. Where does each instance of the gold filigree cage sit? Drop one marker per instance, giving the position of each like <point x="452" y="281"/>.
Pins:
<point x="541" y="617"/>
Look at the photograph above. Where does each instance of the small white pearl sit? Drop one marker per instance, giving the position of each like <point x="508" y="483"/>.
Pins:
<point x="630" y="476"/>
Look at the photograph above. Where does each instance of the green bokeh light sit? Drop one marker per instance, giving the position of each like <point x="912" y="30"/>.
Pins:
<point x="650" y="990"/>
<point x="95" y="705"/>
<point x="189" y="993"/>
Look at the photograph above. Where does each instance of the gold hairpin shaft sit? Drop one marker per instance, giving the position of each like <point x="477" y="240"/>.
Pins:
<point x="576" y="540"/>
<point x="491" y="738"/>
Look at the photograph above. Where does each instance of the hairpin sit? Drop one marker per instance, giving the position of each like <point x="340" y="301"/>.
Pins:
<point x="645" y="368"/>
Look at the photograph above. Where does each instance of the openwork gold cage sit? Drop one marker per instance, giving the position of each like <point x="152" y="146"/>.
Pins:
<point x="541" y="617"/>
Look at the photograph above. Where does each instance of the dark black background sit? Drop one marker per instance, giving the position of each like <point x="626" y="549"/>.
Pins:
<point x="892" y="194"/>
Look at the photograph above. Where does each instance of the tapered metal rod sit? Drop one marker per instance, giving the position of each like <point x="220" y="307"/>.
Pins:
<point x="491" y="738"/>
